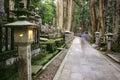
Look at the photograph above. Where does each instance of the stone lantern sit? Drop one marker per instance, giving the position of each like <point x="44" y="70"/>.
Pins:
<point x="67" y="37"/>
<point x="23" y="37"/>
<point x="97" y="38"/>
<point x="109" y="42"/>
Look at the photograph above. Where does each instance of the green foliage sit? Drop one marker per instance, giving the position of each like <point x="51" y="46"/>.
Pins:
<point x="59" y="42"/>
<point x="116" y="47"/>
<point x="59" y="39"/>
<point x="109" y="12"/>
<point x="81" y="15"/>
<point x="9" y="72"/>
<point x="46" y="9"/>
<point x="35" y="46"/>
<point x="7" y="54"/>
<point x="17" y="3"/>
<point x="44" y="59"/>
<point x="52" y="44"/>
<point x="102" y="44"/>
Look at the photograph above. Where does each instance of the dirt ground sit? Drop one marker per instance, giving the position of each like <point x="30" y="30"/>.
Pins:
<point x="50" y="71"/>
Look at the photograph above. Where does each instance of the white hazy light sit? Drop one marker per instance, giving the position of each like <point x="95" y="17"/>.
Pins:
<point x="86" y="2"/>
<point x="20" y="35"/>
<point x="43" y="1"/>
<point x="55" y="1"/>
<point x="30" y="34"/>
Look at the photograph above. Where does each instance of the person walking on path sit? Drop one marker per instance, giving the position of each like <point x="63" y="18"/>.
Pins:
<point x="85" y="36"/>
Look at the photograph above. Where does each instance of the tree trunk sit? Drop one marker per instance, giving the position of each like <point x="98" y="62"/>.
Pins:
<point x="1" y="21"/>
<point x="72" y="23"/>
<point x="59" y="14"/>
<point x="0" y="38"/>
<point x="69" y="23"/>
<point x="1" y="5"/>
<point x="65" y="15"/>
<point x="116" y="44"/>
<point x="101" y="6"/>
<point x="93" y="18"/>
<point x="117" y="19"/>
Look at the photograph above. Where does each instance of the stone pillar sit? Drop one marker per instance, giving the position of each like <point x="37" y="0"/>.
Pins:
<point x="24" y="52"/>
<point x="25" y="3"/>
<point x="97" y="38"/>
<point x="11" y="4"/>
<point x="21" y="37"/>
<point x="67" y="38"/>
<point x="109" y="42"/>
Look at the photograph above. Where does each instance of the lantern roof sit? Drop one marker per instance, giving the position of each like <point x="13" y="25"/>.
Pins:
<point x="67" y="31"/>
<point x="21" y="23"/>
<point x="97" y="32"/>
<point x="109" y="34"/>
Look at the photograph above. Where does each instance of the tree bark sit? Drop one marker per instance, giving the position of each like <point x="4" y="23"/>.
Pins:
<point x="93" y="18"/>
<point x="65" y="8"/>
<point x="0" y="38"/>
<point x="72" y="23"/>
<point x="1" y="5"/>
<point x="59" y="14"/>
<point x="117" y="19"/>
<point x="1" y="21"/>
<point x="116" y="44"/>
<point x="69" y="23"/>
<point x="101" y="6"/>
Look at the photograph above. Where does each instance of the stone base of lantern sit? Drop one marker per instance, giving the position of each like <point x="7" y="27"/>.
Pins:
<point x="24" y="62"/>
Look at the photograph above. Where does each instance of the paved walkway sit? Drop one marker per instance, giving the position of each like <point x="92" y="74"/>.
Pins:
<point x="82" y="62"/>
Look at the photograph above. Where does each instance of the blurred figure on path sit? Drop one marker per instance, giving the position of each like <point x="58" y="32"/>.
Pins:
<point x="85" y="36"/>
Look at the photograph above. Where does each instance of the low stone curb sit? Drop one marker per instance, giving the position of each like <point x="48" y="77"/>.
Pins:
<point x="56" y="77"/>
<point x="114" y="58"/>
<point x="46" y="65"/>
<point x="117" y="68"/>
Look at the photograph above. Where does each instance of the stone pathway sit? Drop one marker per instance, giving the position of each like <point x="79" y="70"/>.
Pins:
<point x="82" y="62"/>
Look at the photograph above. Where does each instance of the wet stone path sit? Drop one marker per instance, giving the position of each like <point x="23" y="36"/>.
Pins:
<point x="82" y="62"/>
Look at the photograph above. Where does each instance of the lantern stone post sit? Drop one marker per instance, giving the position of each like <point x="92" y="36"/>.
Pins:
<point x="109" y="41"/>
<point x="97" y="38"/>
<point x="23" y="36"/>
<point x="67" y="38"/>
